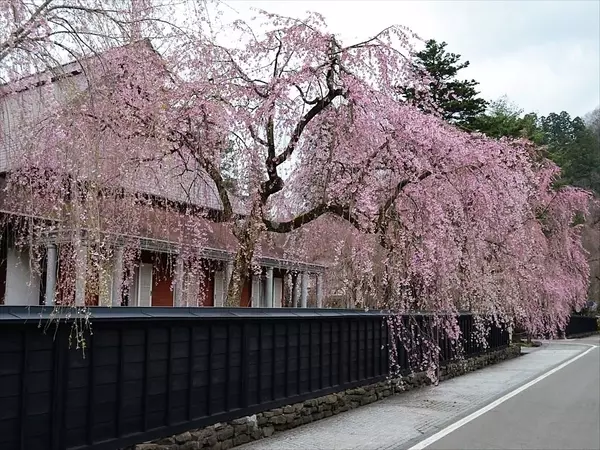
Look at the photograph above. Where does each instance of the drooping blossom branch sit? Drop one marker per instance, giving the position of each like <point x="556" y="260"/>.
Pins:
<point x="413" y="213"/>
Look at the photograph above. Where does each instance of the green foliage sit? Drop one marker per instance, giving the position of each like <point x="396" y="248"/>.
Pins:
<point x="592" y="121"/>
<point x="542" y="216"/>
<point x="530" y="128"/>
<point x="456" y="100"/>
<point x="578" y="219"/>
<point x="569" y="142"/>
<point x="504" y="119"/>
<point x="575" y="147"/>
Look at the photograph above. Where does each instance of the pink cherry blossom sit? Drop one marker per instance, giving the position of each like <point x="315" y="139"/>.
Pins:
<point x="412" y="213"/>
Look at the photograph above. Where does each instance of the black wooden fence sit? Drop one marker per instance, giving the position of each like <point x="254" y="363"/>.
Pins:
<point x="151" y="372"/>
<point x="581" y="325"/>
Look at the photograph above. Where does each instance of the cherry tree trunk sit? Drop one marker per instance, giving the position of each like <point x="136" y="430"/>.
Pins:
<point x="248" y="237"/>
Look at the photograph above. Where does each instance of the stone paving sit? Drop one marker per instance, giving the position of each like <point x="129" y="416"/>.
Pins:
<point x="402" y="420"/>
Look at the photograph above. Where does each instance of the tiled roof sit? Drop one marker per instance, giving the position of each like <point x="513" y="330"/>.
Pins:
<point x="30" y="100"/>
<point x="27" y="102"/>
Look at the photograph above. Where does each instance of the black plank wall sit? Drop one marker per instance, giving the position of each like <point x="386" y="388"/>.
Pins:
<point x="151" y="372"/>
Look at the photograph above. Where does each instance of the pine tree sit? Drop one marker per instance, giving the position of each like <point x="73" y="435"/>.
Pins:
<point x="456" y="100"/>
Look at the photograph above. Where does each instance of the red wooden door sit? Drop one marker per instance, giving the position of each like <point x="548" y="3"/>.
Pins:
<point x="162" y="282"/>
<point x="92" y="296"/>
<point x="207" y="289"/>
<point x="162" y="295"/>
<point x="92" y="286"/>
<point x="246" y="297"/>
<point x="65" y="286"/>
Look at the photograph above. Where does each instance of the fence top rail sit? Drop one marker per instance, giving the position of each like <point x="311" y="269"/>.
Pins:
<point x="36" y="313"/>
<point x="23" y="313"/>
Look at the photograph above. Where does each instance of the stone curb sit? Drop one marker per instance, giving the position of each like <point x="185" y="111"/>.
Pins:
<point x="222" y="436"/>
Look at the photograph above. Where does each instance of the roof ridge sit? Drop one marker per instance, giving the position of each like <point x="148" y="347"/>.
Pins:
<point x="37" y="76"/>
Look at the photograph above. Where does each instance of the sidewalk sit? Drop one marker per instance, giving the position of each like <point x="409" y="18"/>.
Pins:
<point x="402" y="420"/>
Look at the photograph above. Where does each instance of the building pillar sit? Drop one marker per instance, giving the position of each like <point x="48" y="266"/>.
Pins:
<point x="117" y="277"/>
<point x="304" y="290"/>
<point x="80" y="274"/>
<point x="269" y="287"/>
<point x="255" y="291"/>
<point x="179" y="300"/>
<point x="320" y="290"/>
<point x="295" y="285"/>
<point x="51" y="263"/>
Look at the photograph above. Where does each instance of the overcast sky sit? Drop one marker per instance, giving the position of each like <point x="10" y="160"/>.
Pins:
<point x="544" y="55"/>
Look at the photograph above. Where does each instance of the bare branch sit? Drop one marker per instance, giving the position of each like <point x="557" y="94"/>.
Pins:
<point x="311" y="114"/>
<point x="381" y="222"/>
<point x="256" y="137"/>
<point x="270" y="129"/>
<point x="276" y="62"/>
<point x="307" y="217"/>
<point x="21" y="33"/>
<point x="304" y="99"/>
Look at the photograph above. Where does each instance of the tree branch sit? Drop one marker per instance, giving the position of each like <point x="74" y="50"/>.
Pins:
<point x="276" y="63"/>
<point x="303" y="97"/>
<point x="275" y="183"/>
<point x="181" y="139"/>
<point x="271" y="170"/>
<point x="311" y="114"/>
<point x="307" y="217"/>
<point x="212" y="172"/>
<point x="242" y="74"/>
<point x="382" y="214"/>
<point x="256" y="137"/>
<point x="21" y="33"/>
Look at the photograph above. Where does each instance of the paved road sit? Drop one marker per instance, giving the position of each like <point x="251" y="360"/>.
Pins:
<point x="562" y="411"/>
<point x="400" y="422"/>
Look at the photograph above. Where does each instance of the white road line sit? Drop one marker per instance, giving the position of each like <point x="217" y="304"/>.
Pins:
<point x="465" y="420"/>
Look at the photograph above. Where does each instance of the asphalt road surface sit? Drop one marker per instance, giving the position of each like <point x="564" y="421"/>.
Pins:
<point x="561" y="411"/>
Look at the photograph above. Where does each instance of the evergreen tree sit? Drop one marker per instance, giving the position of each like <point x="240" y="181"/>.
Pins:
<point x="505" y="119"/>
<point x="570" y="142"/>
<point x="575" y="147"/>
<point x="456" y="100"/>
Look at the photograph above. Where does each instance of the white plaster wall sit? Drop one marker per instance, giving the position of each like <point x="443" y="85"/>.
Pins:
<point x="256" y="291"/>
<point x="22" y="286"/>
<point x="145" y="285"/>
<point x="277" y="292"/>
<point x="134" y="299"/>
